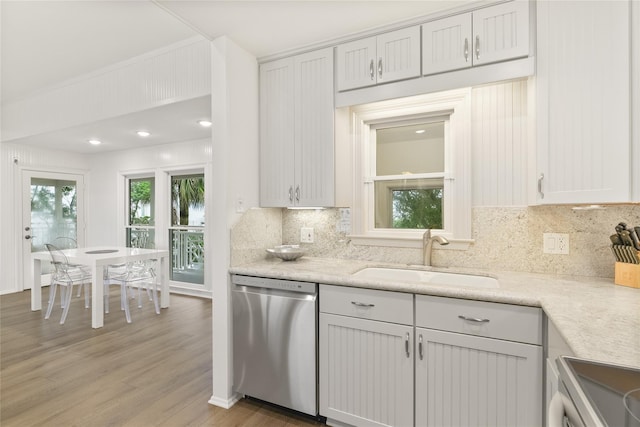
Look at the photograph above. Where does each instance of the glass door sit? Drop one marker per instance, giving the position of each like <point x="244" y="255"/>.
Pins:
<point x="186" y="234"/>
<point x="52" y="209"/>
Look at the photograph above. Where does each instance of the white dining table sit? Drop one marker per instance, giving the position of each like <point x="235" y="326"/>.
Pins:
<point x="97" y="258"/>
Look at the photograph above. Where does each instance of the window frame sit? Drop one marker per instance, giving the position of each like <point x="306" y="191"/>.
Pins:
<point x="128" y="226"/>
<point x="372" y="178"/>
<point x="456" y="105"/>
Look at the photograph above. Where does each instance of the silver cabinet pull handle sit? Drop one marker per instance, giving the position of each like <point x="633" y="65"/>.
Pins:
<point x="540" y="186"/>
<point x="291" y="194"/>
<point x="371" y="70"/>
<point x="297" y="193"/>
<point x="362" y="304"/>
<point x="420" y="347"/>
<point x="380" y="67"/>
<point x="466" y="49"/>
<point x="477" y="47"/>
<point x="474" y="319"/>
<point x="406" y="344"/>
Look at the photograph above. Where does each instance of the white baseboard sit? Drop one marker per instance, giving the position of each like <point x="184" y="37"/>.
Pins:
<point x="225" y="403"/>
<point x="201" y="293"/>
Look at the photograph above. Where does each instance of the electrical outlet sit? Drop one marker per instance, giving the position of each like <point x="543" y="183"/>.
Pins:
<point x="306" y="235"/>
<point x="555" y="243"/>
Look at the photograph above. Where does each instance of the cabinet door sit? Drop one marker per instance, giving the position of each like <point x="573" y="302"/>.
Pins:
<point x="463" y="380"/>
<point x="398" y="55"/>
<point x="366" y="373"/>
<point x="314" y="147"/>
<point x="356" y="64"/>
<point x="446" y="44"/>
<point x="276" y="133"/>
<point x="583" y="118"/>
<point x="501" y="32"/>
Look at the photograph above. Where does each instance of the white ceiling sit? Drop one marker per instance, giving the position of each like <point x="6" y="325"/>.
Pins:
<point x="46" y="42"/>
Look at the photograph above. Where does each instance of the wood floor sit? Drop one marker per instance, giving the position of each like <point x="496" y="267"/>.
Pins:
<point x="155" y="371"/>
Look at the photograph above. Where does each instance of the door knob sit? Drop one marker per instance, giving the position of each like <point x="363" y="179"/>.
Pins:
<point x="27" y="237"/>
<point x="27" y="228"/>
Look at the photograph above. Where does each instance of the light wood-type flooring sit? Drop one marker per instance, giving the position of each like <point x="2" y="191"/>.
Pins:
<point x="155" y="371"/>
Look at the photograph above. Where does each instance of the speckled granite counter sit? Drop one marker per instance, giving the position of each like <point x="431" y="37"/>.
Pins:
<point x="598" y="319"/>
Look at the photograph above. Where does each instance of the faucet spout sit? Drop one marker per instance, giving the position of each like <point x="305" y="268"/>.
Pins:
<point x="427" y="246"/>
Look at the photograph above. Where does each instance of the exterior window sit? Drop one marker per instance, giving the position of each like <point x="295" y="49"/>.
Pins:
<point x="409" y="176"/>
<point x="141" y="219"/>
<point x="187" y="228"/>
<point x="411" y="169"/>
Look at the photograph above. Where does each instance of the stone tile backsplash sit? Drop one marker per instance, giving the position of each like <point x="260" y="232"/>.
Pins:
<point x="505" y="238"/>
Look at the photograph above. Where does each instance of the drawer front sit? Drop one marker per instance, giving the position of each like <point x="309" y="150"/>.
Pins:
<point x="385" y="306"/>
<point x="486" y="319"/>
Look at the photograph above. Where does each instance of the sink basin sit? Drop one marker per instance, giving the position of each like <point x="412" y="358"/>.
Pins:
<point x="427" y="277"/>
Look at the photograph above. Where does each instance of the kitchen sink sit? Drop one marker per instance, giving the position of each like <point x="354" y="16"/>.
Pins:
<point x="427" y="277"/>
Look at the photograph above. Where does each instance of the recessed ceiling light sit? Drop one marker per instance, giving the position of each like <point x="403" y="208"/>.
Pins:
<point x="204" y="123"/>
<point x="95" y="142"/>
<point x="420" y="131"/>
<point x="143" y="133"/>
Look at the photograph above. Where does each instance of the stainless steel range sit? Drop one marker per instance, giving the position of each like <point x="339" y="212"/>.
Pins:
<point x="597" y="394"/>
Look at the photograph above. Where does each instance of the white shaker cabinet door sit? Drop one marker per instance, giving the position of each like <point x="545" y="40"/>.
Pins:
<point x="447" y="44"/>
<point x="464" y="380"/>
<point x="314" y="139"/>
<point x="398" y="55"/>
<point x="583" y="116"/>
<point x="277" y="133"/>
<point x="366" y="371"/>
<point x="501" y="32"/>
<point x="356" y="64"/>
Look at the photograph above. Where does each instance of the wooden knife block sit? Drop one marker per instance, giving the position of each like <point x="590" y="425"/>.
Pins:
<point x="627" y="274"/>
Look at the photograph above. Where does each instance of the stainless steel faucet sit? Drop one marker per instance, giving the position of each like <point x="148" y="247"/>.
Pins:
<point x="427" y="245"/>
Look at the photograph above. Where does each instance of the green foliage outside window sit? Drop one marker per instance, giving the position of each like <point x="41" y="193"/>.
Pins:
<point x="139" y="195"/>
<point x="417" y="208"/>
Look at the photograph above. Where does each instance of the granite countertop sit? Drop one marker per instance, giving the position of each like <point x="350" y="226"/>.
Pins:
<point x="599" y="320"/>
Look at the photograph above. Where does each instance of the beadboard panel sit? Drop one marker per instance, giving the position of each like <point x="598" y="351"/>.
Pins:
<point x="499" y="141"/>
<point x="366" y="377"/>
<point x="173" y="74"/>
<point x="314" y="147"/>
<point x="470" y="381"/>
<point x="277" y="133"/>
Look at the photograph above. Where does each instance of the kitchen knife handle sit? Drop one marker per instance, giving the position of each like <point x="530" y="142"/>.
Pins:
<point x="540" y="186"/>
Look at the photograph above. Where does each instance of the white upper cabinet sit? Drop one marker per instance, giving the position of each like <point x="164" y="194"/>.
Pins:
<point x="296" y="131"/>
<point x="384" y="58"/>
<point x="501" y="32"/>
<point x="583" y="102"/>
<point x="485" y="36"/>
<point x="446" y="44"/>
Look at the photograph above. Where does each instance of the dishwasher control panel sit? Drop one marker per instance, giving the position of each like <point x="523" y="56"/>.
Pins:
<point x="268" y="283"/>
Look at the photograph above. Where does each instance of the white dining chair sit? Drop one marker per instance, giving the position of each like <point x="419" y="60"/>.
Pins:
<point x="65" y="276"/>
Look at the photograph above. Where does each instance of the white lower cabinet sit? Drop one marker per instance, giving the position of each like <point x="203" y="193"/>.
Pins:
<point x="452" y="363"/>
<point x="367" y="372"/>
<point x="464" y="380"/>
<point x="366" y="357"/>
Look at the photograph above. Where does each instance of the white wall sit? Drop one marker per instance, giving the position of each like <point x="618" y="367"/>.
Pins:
<point x="11" y="227"/>
<point x="106" y="209"/>
<point x="234" y="96"/>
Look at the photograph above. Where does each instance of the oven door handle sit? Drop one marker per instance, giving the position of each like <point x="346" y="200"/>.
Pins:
<point x="556" y="412"/>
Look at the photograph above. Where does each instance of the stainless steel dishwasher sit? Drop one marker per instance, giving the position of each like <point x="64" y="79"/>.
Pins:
<point x="275" y="336"/>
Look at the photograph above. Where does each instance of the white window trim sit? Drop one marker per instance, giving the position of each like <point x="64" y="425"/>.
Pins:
<point x="457" y="105"/>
